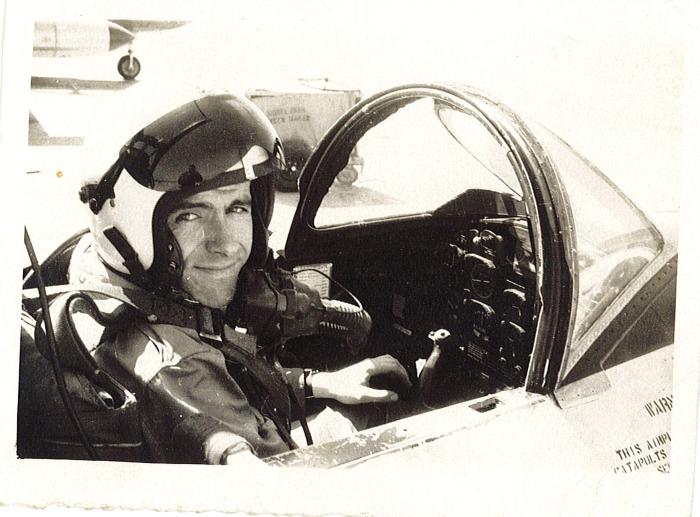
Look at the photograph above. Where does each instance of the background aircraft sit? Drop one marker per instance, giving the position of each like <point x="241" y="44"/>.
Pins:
<point x="81" y="37"/>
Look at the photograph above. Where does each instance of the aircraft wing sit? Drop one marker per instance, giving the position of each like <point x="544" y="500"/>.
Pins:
<point x="136" y="26"/>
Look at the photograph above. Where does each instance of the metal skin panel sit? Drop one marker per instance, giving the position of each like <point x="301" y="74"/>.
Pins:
<point x="411" y="433"/>
<point x="626" y="430"/>
<point x="639" y="322"/>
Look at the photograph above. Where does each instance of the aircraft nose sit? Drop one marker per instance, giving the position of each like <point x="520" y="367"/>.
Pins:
<point x="118" y="36"/>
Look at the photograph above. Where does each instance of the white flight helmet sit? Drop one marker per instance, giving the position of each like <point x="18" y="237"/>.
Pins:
<point x="205" y="144"/>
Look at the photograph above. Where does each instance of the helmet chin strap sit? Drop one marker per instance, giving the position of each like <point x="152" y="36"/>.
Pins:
<point x="168" y="278"/>
<point x="207" y="321"/>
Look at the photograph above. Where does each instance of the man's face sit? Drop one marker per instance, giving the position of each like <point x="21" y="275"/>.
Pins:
<point x="215" y="232"/>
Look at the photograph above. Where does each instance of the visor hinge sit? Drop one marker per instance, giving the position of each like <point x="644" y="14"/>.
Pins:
<point x="95" y="195"/>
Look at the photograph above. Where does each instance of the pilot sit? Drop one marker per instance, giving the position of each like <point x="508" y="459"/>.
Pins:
<point x="180" y="217"/>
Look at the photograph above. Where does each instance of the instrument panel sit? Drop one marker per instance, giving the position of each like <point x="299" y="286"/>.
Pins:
<point x="482" y="291"/>
<point x="494" y="276"/>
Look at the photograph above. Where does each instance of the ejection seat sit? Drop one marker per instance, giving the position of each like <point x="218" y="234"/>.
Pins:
<point x="106" y="411"/>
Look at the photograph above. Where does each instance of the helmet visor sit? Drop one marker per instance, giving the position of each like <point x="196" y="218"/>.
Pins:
<point x="222" y="139"/>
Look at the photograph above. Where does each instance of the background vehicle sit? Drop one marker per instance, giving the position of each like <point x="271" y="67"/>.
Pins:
<point x="301" y="116"/>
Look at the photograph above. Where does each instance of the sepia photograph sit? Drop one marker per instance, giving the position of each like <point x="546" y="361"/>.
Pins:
<point x="348" y="258"/>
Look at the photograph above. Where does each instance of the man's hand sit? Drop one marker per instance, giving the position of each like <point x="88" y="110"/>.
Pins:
<point x="351" y="385"/>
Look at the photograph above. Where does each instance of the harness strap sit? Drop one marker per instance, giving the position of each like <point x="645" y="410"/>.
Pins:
<point x="156" y="309"/>
<point x="235" y="346"/>
<point x="278" y="395"/>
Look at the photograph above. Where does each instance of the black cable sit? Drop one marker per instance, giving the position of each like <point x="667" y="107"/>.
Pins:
<point x="302" y="416"/>
<point x="55" y="364"/>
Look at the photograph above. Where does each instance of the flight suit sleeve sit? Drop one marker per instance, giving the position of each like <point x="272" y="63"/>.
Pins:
<point x="192" y="410"/>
